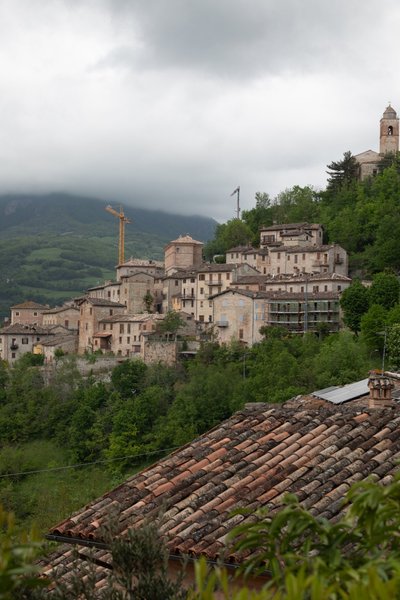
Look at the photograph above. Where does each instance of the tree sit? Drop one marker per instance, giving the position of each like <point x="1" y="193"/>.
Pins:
<point x="373" y="322"/>
<point x="393" y="346"/>
<point x="171" y="324"/>
<point x="228" y="235"/>
<point x="148" y="300"/>
<point x="354" y="302"/>
<point x="128" y="378"/>
<point x="385" y="290"/>
<point x="342" y="172"/>
<point x="308" y="557"/>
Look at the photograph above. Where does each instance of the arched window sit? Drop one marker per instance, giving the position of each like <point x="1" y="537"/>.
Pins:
<point x="390" y="130"/>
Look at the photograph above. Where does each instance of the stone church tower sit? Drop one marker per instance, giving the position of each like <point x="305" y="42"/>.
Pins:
<point x="389" y="132"/>
<point x="369" y="160"/>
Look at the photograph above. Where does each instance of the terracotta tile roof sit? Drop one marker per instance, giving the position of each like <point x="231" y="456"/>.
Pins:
<point x="21" y="329"/>
<point x="101" y="302"/>
<point x="249" y="461"/>
<point x="29" y="304"/>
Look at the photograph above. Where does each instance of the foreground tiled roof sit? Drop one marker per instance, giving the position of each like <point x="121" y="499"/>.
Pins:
<point x="249" y="461"/>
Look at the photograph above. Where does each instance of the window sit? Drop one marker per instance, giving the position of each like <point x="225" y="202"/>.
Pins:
<point x="279" y="255"/>
<point x="278" y="270"/>
<point x="325" y="288"/>
<point x="192" y="303"/>
<point x="178" y="250"/>
<point x="201" y="304"/>
<point x="120" y="340"/>
<point x="121" y="328"/>
<point x="265" y="270"/>
<point x="288" y="257"/>
<point x="302" y="288"/>
<point x="111" y="312"/>
<point x="184" y="281"/>
<point x="304" y="257"/>
<point x="35" y="314"/>
<point x="228" y="276"/>
<point x="295" y="259"/>
<point x="24" y="340"/>
<point x="209" y="318"/>
<point x="17" y="313"/>
<point x="66" y="323"/>
<point x="128" y="340"/>
<point x="192" y="280"/>
<point x="176" y="282"/>
<point x="339" y="288"/>
<point x="390" y="130"/>
<point x="202" y="277"/>
<point x="201" y="318"/>
<point x="86" y="326"/>
<point x="128" y="328"/>
<point x="12" y="354"/>
<point x="201" y="290"/>
<point x="104" y="326"/>
<point x="240" y="334"/>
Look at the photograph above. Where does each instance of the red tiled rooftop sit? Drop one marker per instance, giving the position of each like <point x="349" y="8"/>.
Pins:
<point x="249" y="461"/>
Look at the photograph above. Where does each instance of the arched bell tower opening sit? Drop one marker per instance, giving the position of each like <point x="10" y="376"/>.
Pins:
<point x="389" y="132"/>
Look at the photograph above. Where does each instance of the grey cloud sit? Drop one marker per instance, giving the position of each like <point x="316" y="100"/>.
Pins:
<point x="241" y="38"/>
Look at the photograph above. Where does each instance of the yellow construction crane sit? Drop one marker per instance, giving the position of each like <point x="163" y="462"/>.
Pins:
<point x="122" y="220"/>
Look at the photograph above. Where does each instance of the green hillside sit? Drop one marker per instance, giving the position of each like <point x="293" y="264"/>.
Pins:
<point x="54" y="247"/>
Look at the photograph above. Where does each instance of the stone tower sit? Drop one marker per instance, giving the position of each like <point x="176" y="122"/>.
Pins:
<point x="389" y="132"/>
<point x="183" y="253"/>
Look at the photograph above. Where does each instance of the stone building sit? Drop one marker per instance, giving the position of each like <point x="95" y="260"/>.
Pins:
<point x="18" y="339"/>
<point x="124" y="334"/>
<point x="291" y="249"/>
<point x="183" y="253"/>
<point x="28" y="313"/>
<point x="324" y="282"/>
<point x="93" y="310"/>
<point x="239" y="314"/>
<point x="136" y="265"/>
<point x="67" y="316"/>
<point x="388" y="144"/>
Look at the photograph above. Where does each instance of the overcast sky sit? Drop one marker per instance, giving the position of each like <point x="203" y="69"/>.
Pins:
<point x="174" y="103"/>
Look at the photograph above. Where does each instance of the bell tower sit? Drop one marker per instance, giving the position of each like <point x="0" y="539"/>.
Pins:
<point x="389" y="132"/>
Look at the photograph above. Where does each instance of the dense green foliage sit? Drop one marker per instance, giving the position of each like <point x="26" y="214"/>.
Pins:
<point x="142" y="412"/>
<point x="306" y="557"/>
<point x="362" y="216"/>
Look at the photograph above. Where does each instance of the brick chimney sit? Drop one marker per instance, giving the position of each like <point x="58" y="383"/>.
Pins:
<point x="380" y="390"/>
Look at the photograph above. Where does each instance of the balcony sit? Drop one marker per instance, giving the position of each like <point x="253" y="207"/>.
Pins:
<point x="222" y="323"/>
<point x="14" y="346"/>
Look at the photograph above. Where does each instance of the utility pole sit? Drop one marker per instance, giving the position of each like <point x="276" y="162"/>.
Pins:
<point x="237" y="192"/>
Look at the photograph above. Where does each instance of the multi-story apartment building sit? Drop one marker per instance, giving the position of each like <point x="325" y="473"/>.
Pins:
<point x="291" y="234"/>
<point x="300" y="313"/>
<point x="301" y="283"/>
<point x="292" y="249"/>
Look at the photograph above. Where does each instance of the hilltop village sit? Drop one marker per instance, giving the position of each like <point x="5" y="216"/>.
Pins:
<point x="292" y="280"/>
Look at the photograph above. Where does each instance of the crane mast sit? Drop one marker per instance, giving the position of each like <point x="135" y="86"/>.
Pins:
<point x="122" y="220"/>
